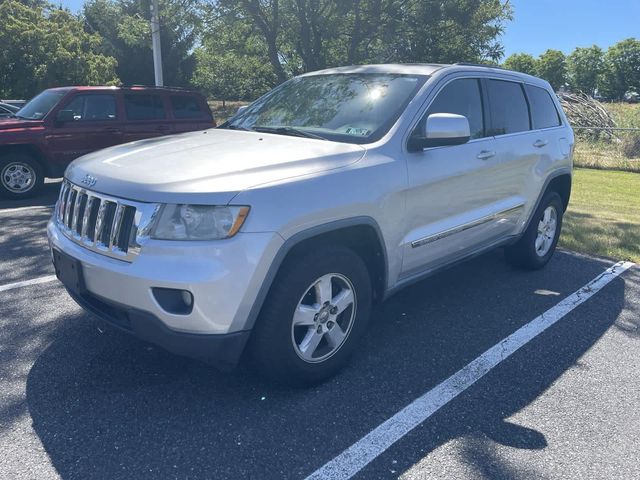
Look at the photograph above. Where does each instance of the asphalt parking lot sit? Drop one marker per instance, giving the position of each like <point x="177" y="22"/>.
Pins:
<point x="79" y="402"/>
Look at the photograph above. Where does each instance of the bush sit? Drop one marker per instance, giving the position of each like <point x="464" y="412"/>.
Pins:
<point x="631" y="145"/>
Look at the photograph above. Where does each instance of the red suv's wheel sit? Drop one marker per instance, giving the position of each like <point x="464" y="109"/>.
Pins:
<point x="20" y="176"/>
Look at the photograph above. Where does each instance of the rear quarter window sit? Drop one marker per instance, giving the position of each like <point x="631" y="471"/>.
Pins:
<point x="187" y="106"/>
<point x="509" y="109"/>
<point x="144" y="107"/>
<point x="543" y="110"/>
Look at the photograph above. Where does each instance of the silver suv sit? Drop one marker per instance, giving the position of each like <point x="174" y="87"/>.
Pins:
<point x="277" y="232"/>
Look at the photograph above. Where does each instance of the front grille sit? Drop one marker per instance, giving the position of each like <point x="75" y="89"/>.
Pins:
<point x="107" y="225"/>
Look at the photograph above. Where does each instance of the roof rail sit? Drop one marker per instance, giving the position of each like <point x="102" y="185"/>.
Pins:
<point x="166" y="87"/>
<point x="471" y="64"/>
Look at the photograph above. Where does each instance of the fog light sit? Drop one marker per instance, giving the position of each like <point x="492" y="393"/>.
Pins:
<point x="173" y="300"/>
<point x="187" y="298"/>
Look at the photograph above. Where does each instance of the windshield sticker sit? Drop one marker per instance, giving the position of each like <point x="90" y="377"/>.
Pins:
<point x="362" y="132"/>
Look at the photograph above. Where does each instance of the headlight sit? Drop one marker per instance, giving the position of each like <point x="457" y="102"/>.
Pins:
<point x="198" y="222"/>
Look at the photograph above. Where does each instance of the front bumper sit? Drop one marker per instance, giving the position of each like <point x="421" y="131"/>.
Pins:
<point x="223" y="276"/>
<point x="222" y="350"/>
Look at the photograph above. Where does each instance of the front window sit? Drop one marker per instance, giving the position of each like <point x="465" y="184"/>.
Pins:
<point x="350" y="107"/>
<point x="41" y="104"/>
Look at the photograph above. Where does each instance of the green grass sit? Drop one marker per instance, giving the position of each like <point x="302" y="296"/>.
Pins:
<point x="611" y="155"/>
<point x="626" y="115"/>
<point x="604" y="214"/>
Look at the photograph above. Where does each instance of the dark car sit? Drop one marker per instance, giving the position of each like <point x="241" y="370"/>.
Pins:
<point x="62" y="124"/>
<point x="7" y="111"/>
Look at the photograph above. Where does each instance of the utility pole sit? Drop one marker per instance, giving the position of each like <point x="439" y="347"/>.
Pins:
<point x="155" y="42"/>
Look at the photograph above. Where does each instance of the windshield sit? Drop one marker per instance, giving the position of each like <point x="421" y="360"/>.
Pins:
<point x="40" y="105"/>
<point x="353" y="107"/>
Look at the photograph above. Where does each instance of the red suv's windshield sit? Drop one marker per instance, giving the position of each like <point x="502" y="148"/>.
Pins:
<point x="41" y="104"/>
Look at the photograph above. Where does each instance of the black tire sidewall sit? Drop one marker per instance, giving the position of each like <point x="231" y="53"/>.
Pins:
<point x="27" y="160"/>
<point x="528" y="249"/>
<point x="271" y="346"/>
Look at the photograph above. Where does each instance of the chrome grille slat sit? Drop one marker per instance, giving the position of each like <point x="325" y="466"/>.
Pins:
<point x="67" y="207"/>
<point x="103" y="224"/>
<point x="97" y="238"/>
<point x="85" y="218"/>
<point x="116" y="226"/>
<point x="76" y="210"/>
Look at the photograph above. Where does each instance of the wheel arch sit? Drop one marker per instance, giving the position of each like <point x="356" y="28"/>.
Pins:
<point x="362" y="234"/>
<point x="27" y="149"/>
<point x="560" y="182"/>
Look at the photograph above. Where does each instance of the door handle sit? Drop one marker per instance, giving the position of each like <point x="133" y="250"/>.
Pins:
<point x="540" y="143"/>
<point x="486" y="154"/>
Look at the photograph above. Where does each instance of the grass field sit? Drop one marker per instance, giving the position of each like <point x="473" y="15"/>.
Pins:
<point x="604" y="214"/>
<point x="611" y="155"/>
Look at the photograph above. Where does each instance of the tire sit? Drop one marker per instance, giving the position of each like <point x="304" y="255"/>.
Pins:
<point x="535" y="248"/>
<point x="20" y="176"/>
<point x="286" y="353"/>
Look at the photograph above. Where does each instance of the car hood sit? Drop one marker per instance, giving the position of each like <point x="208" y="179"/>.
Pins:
<point x="14" y="123"/>
<point x="206" y="167"/>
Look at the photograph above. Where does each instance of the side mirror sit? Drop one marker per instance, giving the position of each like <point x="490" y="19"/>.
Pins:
<point x="65" y="116"/>
<point x="441" y="129"/>
<point x="241" y="109"/>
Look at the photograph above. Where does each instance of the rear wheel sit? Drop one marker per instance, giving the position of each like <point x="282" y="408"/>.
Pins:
<point x="538" y="243"/>
<point x="20" y="176"/>
<point x="314" y="316"/>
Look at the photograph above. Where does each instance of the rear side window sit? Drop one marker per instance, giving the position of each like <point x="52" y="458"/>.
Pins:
<point x="543" y="111"/>
<point x="461" y="97"/>
<point x="185" y="106"/>
<point x="144" y="107"/>
<point x="509" y="110"/>
<point x="92" y="107"/>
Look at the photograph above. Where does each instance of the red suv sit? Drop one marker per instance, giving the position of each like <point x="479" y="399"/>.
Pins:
<point x="61" y="124"/>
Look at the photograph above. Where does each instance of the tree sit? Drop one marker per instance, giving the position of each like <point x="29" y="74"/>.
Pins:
<point x="44" y="47"/>
<point x="522" y="62"/>
<point x="552" y="66"/>
<point x="231" y="62"/>
<point x="621" y="69"/>
<point x="584" y="66"/>
<point x="306" y="35"/>
<point x="124" y="24"/>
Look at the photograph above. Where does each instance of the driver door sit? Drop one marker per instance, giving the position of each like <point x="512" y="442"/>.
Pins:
<point x="94" y="126"/>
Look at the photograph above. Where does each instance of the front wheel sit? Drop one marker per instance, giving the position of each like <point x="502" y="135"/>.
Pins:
<point x="20" y="176"/>
<point x="314" y="316"/>
<point x="538" y="243"/>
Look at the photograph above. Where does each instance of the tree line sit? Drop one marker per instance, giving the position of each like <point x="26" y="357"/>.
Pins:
<point x="238" y="49"/>
<point x="235" y="49"/>
<point x="590" y="70"/>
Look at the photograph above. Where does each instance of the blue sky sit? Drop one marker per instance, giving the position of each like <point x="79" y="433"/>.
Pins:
<point x="560" y="24"/>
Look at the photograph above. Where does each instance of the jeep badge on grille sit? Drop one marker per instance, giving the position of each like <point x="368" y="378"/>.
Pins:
<point x="89" y="181"/>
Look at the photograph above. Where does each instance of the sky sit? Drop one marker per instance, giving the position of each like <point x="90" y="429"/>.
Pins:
<point x="560" y="24"/>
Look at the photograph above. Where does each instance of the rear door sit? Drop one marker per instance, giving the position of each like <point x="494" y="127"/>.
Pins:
<point x="95" y="125"/>
<point x="457" y="201"/>
<point x="146" y="116"/>
<point x="189" y="113"/>
<point x="520" y="148"/>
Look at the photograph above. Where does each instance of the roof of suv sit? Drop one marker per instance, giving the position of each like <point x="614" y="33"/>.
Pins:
<point x="425" y="69"/>
<point x="126" y="88"/>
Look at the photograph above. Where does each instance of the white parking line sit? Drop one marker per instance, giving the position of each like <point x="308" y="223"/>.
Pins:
<point x="25" y="283"/>
<point x="358" y="455"/>
<point x="21" y="209"/>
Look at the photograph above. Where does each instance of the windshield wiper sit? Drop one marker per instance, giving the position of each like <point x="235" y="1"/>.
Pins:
<point x="294" y="132"/>
<point x="228" y="126"/>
